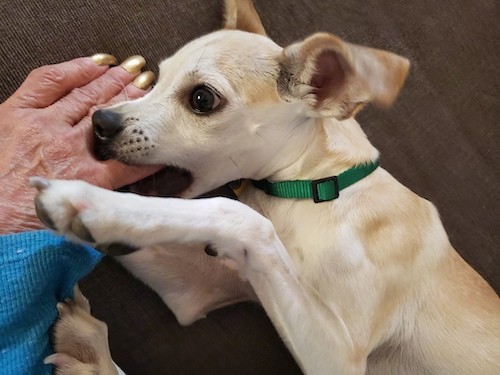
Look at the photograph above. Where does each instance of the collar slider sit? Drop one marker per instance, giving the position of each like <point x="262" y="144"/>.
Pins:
<point x="325" y="189"/>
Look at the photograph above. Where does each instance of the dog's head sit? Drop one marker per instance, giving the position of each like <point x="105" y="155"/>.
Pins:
<point x="233" y="104"/>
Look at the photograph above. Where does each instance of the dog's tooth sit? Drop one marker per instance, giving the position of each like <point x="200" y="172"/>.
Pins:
<point x="133" y="64"/>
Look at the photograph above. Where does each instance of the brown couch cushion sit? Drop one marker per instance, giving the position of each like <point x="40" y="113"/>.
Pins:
<point x="440" y="139"/>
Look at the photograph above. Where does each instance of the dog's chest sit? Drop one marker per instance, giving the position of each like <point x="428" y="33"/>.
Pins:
<point x="319" y="241"/>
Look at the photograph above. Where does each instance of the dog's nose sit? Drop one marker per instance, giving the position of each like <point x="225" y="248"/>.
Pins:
<point x="106" y="124"/>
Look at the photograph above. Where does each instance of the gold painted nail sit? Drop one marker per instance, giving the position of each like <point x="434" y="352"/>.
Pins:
<point x="104" y="59"/>
<point x="144" y="80"/>
<point x="133" y="64"/>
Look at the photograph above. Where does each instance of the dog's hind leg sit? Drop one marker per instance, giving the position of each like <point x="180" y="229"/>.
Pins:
<point x="190" y="283"/>
<point x="80" y="341"/>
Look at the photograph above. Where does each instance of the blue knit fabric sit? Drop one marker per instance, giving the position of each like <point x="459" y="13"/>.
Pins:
<point x="37" y="269"/>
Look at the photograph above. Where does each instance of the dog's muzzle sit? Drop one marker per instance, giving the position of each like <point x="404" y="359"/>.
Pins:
<point x="107" y="125"/>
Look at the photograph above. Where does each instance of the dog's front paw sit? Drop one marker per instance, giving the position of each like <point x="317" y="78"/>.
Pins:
<point x="82" y="212"/>
<point x="80" y="340"/>
<point x="59" y="205"/>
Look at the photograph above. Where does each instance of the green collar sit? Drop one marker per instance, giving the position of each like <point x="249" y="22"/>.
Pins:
<point x="323" y="190"/>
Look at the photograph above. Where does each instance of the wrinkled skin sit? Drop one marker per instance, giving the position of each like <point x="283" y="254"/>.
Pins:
<point x="46" y="131"/>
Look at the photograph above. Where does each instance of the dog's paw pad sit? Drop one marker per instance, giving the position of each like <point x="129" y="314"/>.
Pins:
<point x="80" y="230"/>
<point x="211" y="251"/>
<point x="116" y="249"/>
<point x="233" y="257"/>
<point x="43" y="214"/>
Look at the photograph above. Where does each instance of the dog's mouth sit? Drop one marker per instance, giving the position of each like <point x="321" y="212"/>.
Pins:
<point x="168" y="182"/>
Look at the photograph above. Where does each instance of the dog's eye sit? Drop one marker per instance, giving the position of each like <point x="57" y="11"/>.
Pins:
<point x="204" y="99"/>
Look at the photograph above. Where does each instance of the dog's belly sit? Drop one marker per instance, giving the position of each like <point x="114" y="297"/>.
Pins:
<point x="189" y="282"/>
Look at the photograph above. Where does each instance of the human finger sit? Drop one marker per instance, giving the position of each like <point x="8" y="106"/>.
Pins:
<point x="77" y="104"/>
<point x="49" y="83"/>
<point x="137" y="89"/>
<point x="112" y="173"/>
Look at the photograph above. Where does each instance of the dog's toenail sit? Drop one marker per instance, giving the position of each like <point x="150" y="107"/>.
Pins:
<point x="60" y="308"/>
<point x="42" y="213"/>
<point x="209" y="250"/>
<point x="80" y="230"/>
<point x="39" y="183"/>
<point x="116" y="249"/>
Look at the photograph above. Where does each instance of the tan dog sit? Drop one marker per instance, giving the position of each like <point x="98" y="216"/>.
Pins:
<point x="358" y="275"/>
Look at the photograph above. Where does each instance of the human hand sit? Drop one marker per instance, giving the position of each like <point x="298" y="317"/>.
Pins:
<point x="46" y="131"/>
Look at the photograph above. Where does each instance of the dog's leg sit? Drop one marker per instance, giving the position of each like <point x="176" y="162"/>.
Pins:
<point x="190" y="283"/>
<point x="314" y="332"/>
<point x="80" y="341"/>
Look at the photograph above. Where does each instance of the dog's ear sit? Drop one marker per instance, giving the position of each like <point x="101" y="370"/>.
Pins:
<point x="337" y="78"/>
<point x="241" y="15"/>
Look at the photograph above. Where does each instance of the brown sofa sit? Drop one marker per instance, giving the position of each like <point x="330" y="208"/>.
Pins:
<point x="440" y="139"/>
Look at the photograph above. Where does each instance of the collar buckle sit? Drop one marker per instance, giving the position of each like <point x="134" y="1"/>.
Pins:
<point x="325" y="189"/>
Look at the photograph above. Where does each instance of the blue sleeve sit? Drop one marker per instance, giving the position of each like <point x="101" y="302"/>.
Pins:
<point x="37" y="270"/>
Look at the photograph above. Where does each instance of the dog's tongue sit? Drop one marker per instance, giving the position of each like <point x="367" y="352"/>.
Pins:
<point x="168" y="182"/>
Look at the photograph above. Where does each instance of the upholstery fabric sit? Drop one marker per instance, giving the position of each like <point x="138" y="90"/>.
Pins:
<point x="440" y="139"/>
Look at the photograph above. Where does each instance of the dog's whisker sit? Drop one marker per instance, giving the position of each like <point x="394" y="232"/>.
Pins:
<point x="201" y="56"/>
<point x="237" y="167"/>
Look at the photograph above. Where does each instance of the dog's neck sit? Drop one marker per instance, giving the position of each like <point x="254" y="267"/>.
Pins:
<point x="301" y="148"/>
<point x="333" y="147"/>
<point x="330" y="148"/>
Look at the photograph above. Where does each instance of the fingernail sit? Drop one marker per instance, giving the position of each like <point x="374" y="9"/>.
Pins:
<point x="133" y="64"/>
<point x="104" y="59"/>
<point x="144" y="80"/>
